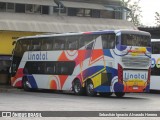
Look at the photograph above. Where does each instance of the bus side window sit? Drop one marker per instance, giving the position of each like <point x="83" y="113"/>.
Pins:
<point x="27" y="69"/>
<point x="59" y="43"/>
<point x="155" y="48"/>
<point x="56" y="46"/>
<point x="85" y="41"/>
<point x="47" y="44"/>
<point x="36" y="47"/>
<point x="89" y="46"/>
<point x="47" y="47"/>
<point x="108" y="41"/>
<point x="50" y="68"/>
<point x="36" y="44"/>
<point x="34" y="68"/>
<point x="26" y="45"/>
<point x="72" y="43"/>
<point x="65" y="68"/>
<point x="29" y="48"/>
<point x="104" y="44"/>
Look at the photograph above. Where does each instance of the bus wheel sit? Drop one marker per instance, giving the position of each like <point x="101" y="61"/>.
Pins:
<point x="107" y="94"/>
<point x="77" y="87"/>
<point x="90" y="88"/>
<point x="25" y="84"/>
<point x="119" y="94"/>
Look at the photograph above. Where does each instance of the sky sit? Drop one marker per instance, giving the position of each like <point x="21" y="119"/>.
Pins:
<point x="148" y="8"/>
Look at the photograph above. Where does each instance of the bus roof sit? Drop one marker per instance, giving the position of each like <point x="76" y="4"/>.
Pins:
<point x="89" y="32"/>
<point x="138" y="32"/>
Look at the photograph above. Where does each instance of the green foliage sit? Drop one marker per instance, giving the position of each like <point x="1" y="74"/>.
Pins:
<point x="135" y="14"/>
<point x="157" y="18"/>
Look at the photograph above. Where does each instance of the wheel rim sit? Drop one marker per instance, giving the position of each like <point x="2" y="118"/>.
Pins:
<point x="26" y="84"/>
<point x="90" y="88"/>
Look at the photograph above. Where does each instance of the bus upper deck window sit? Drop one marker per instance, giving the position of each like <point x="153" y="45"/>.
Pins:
<point x="108" y="41"/>
<point x="47" y="44"/>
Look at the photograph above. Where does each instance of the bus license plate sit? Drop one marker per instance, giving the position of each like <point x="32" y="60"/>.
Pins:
<point x="135" y="87"/>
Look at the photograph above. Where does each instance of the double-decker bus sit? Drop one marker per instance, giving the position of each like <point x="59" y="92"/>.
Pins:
<point x="155" y="71"/>
<point x="104" y="62"/>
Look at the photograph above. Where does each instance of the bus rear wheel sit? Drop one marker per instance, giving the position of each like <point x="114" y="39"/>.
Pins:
<point x="77" y="87"/>
<point x="119" y="94"/>
<point x="90" y="88"/>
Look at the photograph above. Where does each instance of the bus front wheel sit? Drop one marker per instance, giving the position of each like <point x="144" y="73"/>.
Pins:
<point x="119" y="94"/>
<point x="77" y="87"/>
<point x="25" y="84"/>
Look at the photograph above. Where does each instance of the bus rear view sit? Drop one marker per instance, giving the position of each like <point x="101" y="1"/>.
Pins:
<point x="133" y="51"/>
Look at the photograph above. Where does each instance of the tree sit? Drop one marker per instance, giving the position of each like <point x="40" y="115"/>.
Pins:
<point x="134" y="14"/>
<point x="157" y="18"/>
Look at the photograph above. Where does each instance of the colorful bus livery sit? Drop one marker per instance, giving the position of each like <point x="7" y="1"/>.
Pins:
<point x="135" y="76"/>
<point x="93" y="62"/>
<point x="155" y="65"/>
<point x="155" y="61"/>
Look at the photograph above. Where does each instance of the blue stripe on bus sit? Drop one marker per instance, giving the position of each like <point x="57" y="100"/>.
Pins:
<point x="32" y="81"/>
<point x="102" y="89"/>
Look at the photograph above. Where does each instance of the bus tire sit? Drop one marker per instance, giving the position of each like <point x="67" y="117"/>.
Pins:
<point x="107" y="94"/>
<point x="119" y="94"/>
<point x="77" y="87"/>
<point x="90" y="88"/>
<point x="25" y="84"/>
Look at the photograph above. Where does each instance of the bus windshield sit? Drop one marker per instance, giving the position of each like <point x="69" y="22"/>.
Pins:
<point x="135" y="40"/>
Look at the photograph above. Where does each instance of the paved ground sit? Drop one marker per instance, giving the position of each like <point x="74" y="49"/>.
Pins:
<point x="18" y="100"/>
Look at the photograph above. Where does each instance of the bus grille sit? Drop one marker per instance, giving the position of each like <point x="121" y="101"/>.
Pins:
<point x="138" y="62"/>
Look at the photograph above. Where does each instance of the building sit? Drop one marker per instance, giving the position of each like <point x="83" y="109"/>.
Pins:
<point x="30" y="17"/>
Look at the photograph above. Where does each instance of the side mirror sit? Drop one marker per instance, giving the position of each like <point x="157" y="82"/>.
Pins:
<point x="14" y="42"/>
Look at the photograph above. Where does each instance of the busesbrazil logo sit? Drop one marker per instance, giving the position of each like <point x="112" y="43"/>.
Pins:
<point x="21" y="114"/>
